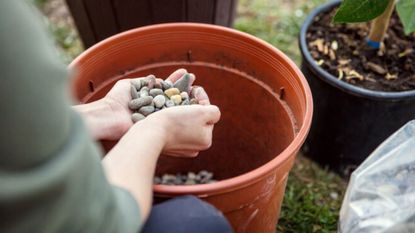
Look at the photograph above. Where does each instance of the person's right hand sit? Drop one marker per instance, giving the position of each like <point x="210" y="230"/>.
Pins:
<point x="185" y="130"/>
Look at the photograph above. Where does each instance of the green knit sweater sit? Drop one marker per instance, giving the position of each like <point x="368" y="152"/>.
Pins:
<point x="51" y="178"/>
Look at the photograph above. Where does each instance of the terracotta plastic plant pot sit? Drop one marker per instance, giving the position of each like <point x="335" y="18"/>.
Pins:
<point x="349" y="121"/>
<point x="265" y="101"/>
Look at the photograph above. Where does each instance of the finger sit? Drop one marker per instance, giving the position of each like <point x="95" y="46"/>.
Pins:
<point x="176" y="75"/>
<point x="212" y="114"/>
<point x="200" y="94"/>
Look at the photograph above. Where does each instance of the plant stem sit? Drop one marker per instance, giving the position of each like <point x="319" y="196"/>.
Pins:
<point x="380" y="25"/>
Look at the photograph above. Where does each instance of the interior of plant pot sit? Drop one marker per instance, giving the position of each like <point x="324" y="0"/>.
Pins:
<point x="245" y="79"/>
<point x="254" y="127"/>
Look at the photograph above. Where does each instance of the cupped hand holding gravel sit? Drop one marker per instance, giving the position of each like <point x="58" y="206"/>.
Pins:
<point x="110" y="117"/>
<point x="186" y="130"/>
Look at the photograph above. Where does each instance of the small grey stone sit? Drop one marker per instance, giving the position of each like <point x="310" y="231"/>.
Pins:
<point x="144" y="91"/>
<point x="137" y="117"/>
<point x="184" y="95"/>
<point x="169" y="82"/>
<point x="165" y="85"/>
<point x="146" y="110"/>
<point x="159" y="101"/>
<point x="134" y="93"/>
<point x="183" y="83"/>
<point x="136" y="83"/>
<point x="140" y="102"/>
<point x="151" y="79"/>
<point x="156" y="91"/>
<point x="185" y="102"/>
<point x="144" y="82"/>
<point x="169" y="103"/>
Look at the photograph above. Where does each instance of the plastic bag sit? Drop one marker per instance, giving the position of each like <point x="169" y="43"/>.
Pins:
<point x="381" y="193"/>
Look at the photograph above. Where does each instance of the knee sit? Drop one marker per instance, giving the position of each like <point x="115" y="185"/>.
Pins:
<point x="186" y="214"/>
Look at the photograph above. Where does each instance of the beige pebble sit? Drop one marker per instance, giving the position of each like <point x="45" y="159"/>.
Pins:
<point x="177" y="99"/>
<point x="171" y="92"/>
<point x="184" y="95"/>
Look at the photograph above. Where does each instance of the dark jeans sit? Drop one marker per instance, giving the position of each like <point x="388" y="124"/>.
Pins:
<point x="186" y="214"/>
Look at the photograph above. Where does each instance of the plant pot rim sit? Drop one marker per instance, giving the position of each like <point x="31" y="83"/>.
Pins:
<point x="241" y="181"/>
<point x="332" y="80"/>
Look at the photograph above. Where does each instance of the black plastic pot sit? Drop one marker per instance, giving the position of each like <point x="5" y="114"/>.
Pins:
<point x="349" y="122"/>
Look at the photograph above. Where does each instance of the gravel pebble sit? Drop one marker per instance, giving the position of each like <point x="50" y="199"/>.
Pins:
<point x="156" y="91"/>
<point x="144" y="91"/>
<point x="159" y="101"/>
<point x="146" y="110"/>
<point x="140" y="102"/>
<point x="183" y="83"/>
<point x="185" y="102"/>
<point x="184" y="95"/>
<point x="137" y="117"/>
<point x="165" y="85"/>
<point x="190" y="178"/>
<point x="177" y="99"/>
<point x="194" y="101"/>
<point x="151" y="79"/>
<point x="169" y="103"/>
<point x="171" y="92"/>
<point x="134" y="93"/>
<point x="136" y="83"/>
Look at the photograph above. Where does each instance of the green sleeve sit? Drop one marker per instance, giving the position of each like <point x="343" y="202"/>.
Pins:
<point x="51" y="178"/>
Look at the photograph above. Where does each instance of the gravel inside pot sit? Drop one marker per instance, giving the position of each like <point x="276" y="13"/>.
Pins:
<point x="189" y="178"/>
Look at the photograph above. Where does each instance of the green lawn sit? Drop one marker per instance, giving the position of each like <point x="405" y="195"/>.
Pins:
<point x="313" y="195"/>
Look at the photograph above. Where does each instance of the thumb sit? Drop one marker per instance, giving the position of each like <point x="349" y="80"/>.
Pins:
<point x="212" y="114"/>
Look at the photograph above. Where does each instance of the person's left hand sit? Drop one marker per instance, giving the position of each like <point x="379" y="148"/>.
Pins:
<point x="117" y="100"/>
<point x="110" y="118"/>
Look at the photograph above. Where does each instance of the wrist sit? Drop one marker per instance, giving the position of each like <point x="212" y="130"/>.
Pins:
<point x="101" y="120"/>
<point x="154" y="130"/>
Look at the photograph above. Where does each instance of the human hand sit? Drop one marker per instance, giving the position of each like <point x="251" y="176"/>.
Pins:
<point x="117" y="102"/>
<point x="110" y="118"/>
<point x="184" y="130"/>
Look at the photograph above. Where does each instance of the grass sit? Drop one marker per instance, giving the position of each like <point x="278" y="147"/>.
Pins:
<point x="313" y="194"/>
